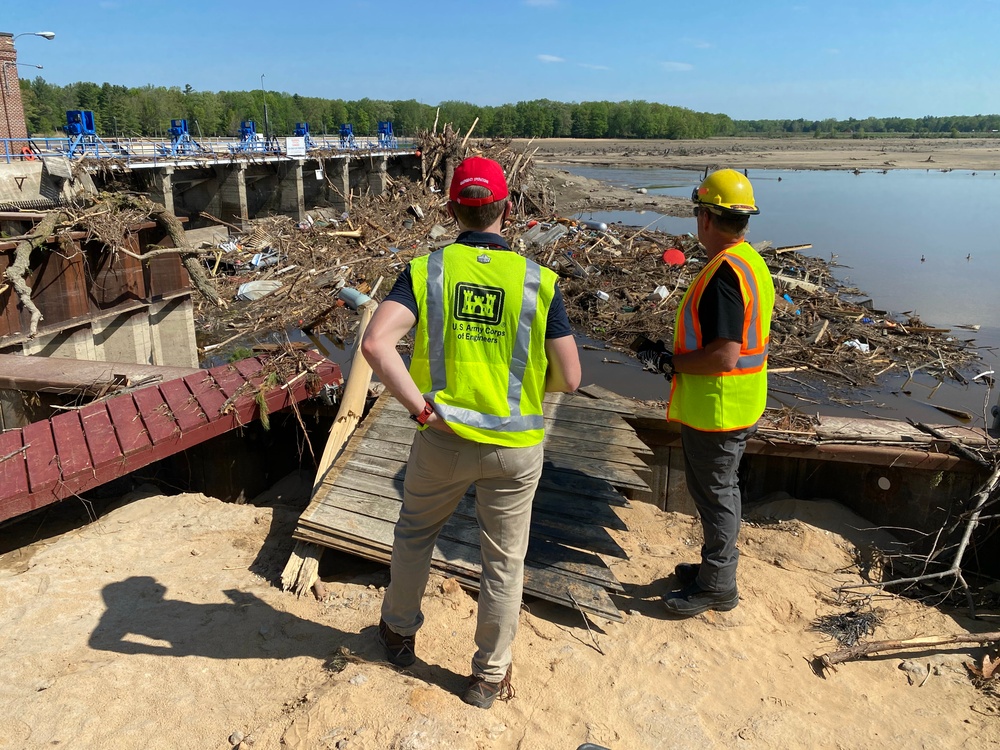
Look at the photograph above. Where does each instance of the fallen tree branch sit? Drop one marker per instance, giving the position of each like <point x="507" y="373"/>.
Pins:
<point x="21" y="267"/>
<point x="189" y="257"/>
<point x="977" y="502"/>
<point x="868" y="649"/>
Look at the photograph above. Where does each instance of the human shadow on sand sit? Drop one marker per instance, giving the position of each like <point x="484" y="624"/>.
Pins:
<point x="140" y="619"/>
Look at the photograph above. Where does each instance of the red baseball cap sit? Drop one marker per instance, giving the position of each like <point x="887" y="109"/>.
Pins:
<point x="482" y="172"/>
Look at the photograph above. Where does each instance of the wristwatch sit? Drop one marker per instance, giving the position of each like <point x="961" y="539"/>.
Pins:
<point x="422" y="417"/>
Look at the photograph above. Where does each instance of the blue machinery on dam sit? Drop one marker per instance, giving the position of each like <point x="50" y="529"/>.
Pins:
<point x="82" y="141"/>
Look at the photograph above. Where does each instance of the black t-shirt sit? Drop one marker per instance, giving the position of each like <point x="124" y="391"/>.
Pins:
<point x="720" y="310"/>
<point x="557" y="325"/>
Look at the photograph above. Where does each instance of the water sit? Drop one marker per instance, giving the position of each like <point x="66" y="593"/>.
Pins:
<point x="877" y="226"/>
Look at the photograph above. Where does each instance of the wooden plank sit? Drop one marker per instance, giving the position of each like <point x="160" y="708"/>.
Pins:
<point x="470" y="580"/>
<point x="128" y="424"/>
<point x="10" y="315"/>
<point x="556" y="504"/>
<point x="72" y="452"/>
<point x="562" y="420"/>
<point x="582" y="401"/>
<point x="13" y="469"/>
<point x="206" y="393"/>
<point x="370" y="456"/>
<point x="618" y="474"/>
<point x="450" y="555"/>
<point x="156" y="414"/>
<point x="251" y="370"/>
<point x="592" y="440"/>
<point x="183" y="404"/>
<point x="40" y="455"/>
<point x="578" y="415"/>
<point x="229" y="379"/>
<point x="462" y="524"/>
<point x="61" y="375"/>
<point x="847" y="428"/>
<point x="103" y="430"/>
<point x="100" y="433"/>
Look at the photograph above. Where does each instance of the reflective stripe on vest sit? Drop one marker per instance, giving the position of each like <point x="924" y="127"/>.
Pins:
<point x="516" y="422"/>
<point x="733" y="399"/>
<point x="515" y="427"/>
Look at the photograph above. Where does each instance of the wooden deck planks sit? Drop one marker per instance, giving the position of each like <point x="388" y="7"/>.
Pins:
<point x="590" y="452"/>
<point x="156" y="415"/>
<point x="71" y="444"/>
<point x="464" y="559"/>
<point x="100" y="433"/>
<point x="40" y="455"/>
<point x="183" y="405"/>
<point x="128" y="424"/>
<point x="80" y="449"/>
<point x="13" y="468"/>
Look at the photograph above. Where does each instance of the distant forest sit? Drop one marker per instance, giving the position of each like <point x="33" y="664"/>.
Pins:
<point x="147" y="111"/>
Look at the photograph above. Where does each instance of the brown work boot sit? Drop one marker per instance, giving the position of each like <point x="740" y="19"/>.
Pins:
<point x="481" y="693"/>
<point x="399" y="649"/>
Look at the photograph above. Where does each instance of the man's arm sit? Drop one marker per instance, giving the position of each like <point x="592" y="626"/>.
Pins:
<point x="388" y="325"/>
<point x="720" y="355"/>
<point x="564" y="372"/>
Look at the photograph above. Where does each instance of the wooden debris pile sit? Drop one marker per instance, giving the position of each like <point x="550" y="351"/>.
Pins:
<point x="617" y="281"/>
<point x="617" y="285"/>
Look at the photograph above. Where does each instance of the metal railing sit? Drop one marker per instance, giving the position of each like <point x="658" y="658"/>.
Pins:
<point x="151" y="152"/>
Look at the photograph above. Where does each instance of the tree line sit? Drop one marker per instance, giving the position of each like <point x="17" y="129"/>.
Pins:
<point x="121" y="111"/>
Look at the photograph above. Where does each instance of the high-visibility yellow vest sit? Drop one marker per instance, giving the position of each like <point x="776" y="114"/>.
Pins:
<point x="479" y="352"/>
<point x="730" y="400"/>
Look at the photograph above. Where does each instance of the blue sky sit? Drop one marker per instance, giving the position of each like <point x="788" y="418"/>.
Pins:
<point x="751" y="60"/>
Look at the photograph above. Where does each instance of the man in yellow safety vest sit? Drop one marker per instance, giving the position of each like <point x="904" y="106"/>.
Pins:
<point x="492" y="336"/>
<point x="719" y="373"/>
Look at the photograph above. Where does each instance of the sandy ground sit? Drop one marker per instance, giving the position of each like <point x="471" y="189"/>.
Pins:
<point x="762" y="153"/>
<point x="574" y="194"/>
<point x="160" y="626"/>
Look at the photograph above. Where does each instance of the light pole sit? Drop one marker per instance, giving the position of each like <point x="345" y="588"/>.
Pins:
<point x="13" y="64"/>
<point x="263" y="94"/>
<point x="50" y="35"/>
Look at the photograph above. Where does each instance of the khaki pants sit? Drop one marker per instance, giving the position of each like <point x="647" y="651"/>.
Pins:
<point x="440" y="469"/>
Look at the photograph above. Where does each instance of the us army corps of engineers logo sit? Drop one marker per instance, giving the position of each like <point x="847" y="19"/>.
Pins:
<point x="478" y="304"/>
<point x="479" y="308"/>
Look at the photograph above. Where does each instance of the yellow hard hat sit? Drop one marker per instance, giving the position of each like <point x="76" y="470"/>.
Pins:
<point x="726" y="190"/>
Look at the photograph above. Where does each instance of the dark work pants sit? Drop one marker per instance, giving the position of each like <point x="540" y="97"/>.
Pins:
<point x="711" y="461"/>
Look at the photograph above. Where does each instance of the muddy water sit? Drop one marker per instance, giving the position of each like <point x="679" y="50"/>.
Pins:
<point x="914" y="241"/>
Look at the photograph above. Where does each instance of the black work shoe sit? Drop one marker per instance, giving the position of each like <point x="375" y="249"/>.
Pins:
<point x="687" y="573"/>
<point x="693" y="600"/>
<point x="481" y="693"/>
<point x="399" y="649"/>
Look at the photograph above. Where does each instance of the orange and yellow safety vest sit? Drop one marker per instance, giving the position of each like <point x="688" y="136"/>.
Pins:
<point x="731" y="400"/>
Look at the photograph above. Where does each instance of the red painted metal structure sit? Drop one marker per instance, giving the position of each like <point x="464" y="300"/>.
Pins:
<point x="78" y="450"/>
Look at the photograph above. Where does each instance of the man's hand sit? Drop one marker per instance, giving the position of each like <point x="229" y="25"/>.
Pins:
<point x="654" y="357"/>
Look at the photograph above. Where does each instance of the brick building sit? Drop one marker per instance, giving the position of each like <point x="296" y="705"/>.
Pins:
<point x="11" y="109"/>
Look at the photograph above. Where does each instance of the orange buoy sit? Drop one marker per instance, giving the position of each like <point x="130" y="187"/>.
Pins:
<point x="28" y="154"/>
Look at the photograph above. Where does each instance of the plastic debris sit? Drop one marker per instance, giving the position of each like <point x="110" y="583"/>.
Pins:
<point x="253" y="290"/>
<point x="673" y="257"/>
